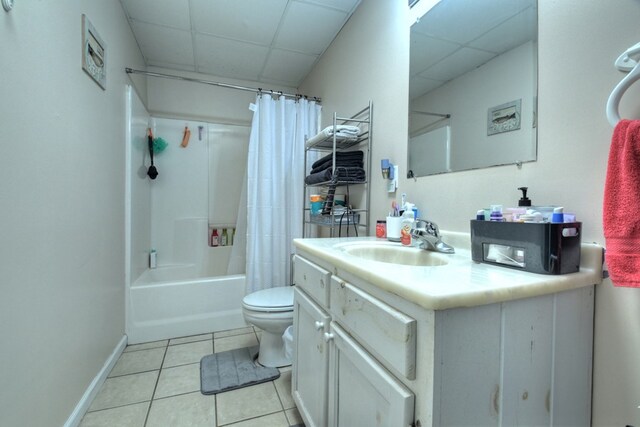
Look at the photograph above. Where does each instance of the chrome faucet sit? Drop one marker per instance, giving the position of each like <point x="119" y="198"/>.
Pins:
<point x="428" y="234"/>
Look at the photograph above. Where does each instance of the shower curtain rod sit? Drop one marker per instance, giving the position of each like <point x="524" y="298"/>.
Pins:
<point x="230" y="86"/>
<point x="425" y="113"/>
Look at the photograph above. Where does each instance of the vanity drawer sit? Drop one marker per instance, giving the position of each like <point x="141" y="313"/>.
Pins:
<point x="313" y="279"/>
<point x="384" y="331"/>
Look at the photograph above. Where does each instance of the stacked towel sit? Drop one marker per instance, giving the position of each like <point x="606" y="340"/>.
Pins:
<point x="621" y="198"/>
<point x="344" y="174"/>
<point x="343" y="133"/>
<point x="343" y="158"/>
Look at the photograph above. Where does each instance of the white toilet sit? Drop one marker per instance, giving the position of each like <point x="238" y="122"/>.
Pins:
<point x="272" y="311"/>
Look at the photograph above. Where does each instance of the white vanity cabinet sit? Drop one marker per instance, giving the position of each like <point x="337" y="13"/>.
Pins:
<point x="335" y="380"/>
<point x="361" y="391"/>
<point x="365" y="356"/>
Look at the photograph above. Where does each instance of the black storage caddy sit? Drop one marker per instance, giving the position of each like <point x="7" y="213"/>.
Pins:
<point x="545" y="248"/>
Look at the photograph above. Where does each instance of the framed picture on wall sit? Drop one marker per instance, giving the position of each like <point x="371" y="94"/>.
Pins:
<point x="504" y="118"/>
<point x="94" y="53"/>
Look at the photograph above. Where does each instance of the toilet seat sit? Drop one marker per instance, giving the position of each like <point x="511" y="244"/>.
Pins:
<point x="278" y="299"/>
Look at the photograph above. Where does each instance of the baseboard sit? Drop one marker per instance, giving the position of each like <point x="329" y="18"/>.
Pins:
<point x="94" y="387"/>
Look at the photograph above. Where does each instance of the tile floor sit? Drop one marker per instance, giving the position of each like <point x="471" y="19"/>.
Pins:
<point x="158" y="384"/>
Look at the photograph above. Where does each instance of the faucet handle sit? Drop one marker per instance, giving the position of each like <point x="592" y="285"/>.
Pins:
<point x="428" y="227"/>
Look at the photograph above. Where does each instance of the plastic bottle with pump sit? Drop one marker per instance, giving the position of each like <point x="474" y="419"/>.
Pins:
<point x="407" y="224"/>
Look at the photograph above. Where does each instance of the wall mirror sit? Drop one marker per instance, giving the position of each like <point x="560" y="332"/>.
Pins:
<point x="473" y="86"/>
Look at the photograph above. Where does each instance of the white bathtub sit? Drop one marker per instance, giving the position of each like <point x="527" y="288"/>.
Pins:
<point x="169" y="302"/>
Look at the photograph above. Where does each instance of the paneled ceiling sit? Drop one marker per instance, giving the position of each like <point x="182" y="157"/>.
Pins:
<point x="457" y="36"/>
<point x="270" y="41"/>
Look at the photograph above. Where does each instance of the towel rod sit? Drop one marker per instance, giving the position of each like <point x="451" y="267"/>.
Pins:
<point x="626" y="64"/>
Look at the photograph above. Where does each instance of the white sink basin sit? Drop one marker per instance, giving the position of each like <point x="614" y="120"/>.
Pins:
<point x="394" y="253"/>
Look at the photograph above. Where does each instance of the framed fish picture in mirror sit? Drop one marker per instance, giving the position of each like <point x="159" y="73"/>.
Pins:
<point x="504" y="118"/>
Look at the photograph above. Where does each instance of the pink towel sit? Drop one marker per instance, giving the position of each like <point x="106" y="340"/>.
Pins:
<point x="621" y="209"/>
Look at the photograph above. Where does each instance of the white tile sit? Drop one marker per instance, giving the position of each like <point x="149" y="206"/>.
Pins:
<point x="283" y="387"/>
<point x="184" y="354"/>
<point x="193" y="409"/>
<point x="123" y="416"/>
<point x="288" y="67"/>
<point x="293" y="416"/>
<point x="278" y="419"/>
<point x="178" y="380"/>
<point x="163" y="44"/>
<point x="248" y="20"/>
<point x="192" y="338"/>
<point x="237" y="341"/>
<point x="232" y="332"/>
<point x="146" y="346"/>
<point x="125" y="390"/>
<point x="308" y="28"/>
<point x="138" y="361"/>
<point x="233" y="406"/>
<point x="174" y="13"/>
<point x="229" y="58"/>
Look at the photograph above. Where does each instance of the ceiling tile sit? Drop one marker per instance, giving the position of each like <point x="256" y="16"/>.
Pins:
<point x="163" y="44"/>
<point x="420" y="85"/>
<point x="344" y="5"/>
<point x="249" y="20"/>
<point x="462" y="20"/>
<point x="288" y="67"/>
<point x="460" y="62"/>
<point x="229" y="58"/>
<point x="309" y="28"/>
<point x="521" y="28"/>
<point x="174" y="13"/>
<point x="426" y="51"/>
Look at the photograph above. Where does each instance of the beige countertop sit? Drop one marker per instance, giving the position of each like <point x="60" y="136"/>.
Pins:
<point x="459" y="283"/>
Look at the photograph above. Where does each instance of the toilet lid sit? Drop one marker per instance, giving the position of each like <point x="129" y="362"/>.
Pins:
<point x="279" y="298"/>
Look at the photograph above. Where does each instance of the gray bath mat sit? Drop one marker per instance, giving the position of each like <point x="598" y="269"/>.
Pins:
<point x="233" y="369"/>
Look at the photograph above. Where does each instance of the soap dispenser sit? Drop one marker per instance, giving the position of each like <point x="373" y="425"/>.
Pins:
<point x="524" y="200"/>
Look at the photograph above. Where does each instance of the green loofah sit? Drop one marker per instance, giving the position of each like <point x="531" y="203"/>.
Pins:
<point x="159" y="145"/>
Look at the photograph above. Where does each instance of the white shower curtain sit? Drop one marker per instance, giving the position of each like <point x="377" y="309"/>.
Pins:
<point x="275" y="187"/>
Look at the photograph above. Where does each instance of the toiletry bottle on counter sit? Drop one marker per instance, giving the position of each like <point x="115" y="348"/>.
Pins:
<point x="496" y="213"/>
<point x="381" y="229"/>
<point x="407" y="225"/>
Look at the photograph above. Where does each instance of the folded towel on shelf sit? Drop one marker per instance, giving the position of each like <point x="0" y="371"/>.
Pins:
<point x="344" y="174"/>
<point x="341" y="156"/>
<point x="621" y="198"/>
<point x="339" y="163"/>
<point x="343" y="159"/>
<point x="343" y="133"/>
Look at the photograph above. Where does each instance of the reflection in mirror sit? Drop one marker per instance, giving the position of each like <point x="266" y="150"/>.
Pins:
<point x="473" y="86"/>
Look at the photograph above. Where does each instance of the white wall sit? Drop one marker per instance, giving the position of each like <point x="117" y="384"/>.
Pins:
<point x="196" y="101"/>
<point x="62" y="196"/>
<point x="578" y="42"/>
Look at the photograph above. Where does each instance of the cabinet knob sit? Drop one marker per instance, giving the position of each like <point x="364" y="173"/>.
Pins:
<point x="328" y="336"/>
<point x="319" y="325"/>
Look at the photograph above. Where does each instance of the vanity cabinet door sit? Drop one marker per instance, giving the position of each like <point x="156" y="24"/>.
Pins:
<point x="310" y="362"/>
<point x="361" y="392"/>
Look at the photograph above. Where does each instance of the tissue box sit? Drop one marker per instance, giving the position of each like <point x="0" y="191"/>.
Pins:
<point x="544" y="248"/>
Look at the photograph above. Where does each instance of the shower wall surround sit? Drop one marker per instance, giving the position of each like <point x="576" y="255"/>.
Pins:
<point x="197" y="186"/>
